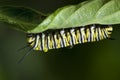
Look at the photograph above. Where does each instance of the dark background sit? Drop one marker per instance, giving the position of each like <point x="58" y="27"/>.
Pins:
<point x="89" y="61"/>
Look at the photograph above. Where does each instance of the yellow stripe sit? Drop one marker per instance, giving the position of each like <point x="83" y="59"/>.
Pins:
<point x="66" y="43"/>
<point x="69" y="40"/>
<point x="58" y="41"/>
<point x="45" y="45"/>
<point x="50" y="42"/>
<point x="30" y="39"/>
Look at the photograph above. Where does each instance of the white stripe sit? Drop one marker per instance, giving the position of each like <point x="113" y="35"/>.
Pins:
<point x="43" y="40"/>
<point x="62" y="32"/>
<point x="99" y="33"/>
<point x="37" y="39"/>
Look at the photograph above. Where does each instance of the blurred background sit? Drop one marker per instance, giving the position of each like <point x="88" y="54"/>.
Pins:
<point x="89" y="61"/>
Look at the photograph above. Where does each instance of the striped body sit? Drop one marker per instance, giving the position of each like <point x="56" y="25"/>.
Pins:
<point x="67" y="37"/>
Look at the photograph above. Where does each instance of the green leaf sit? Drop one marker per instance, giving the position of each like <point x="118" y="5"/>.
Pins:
<point x="86" y="13"/>
<point x="23" y="18"/>
<point x="105" y="12"/>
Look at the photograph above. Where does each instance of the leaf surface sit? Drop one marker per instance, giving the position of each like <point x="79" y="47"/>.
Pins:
<point x="105" y="12"/>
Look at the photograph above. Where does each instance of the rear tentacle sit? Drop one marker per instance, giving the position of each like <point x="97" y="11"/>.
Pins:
<point x="25" y="55"/>
<point x="26" y="46"/>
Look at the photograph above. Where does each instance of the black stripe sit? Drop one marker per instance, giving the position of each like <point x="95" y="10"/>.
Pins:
<point x="47" y="41"/>
<point x="54" y="41"/>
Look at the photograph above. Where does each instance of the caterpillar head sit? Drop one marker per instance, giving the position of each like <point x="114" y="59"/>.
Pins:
<point x="31" y="39"/>
<point x="109" y="30"/>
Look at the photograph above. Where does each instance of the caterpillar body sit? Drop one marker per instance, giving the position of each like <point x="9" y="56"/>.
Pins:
<point x="55" y="39"/>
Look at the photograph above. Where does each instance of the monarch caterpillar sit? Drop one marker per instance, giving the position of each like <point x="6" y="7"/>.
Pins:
<point x="55" y="39"/>
<point x="59" y="38"/>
